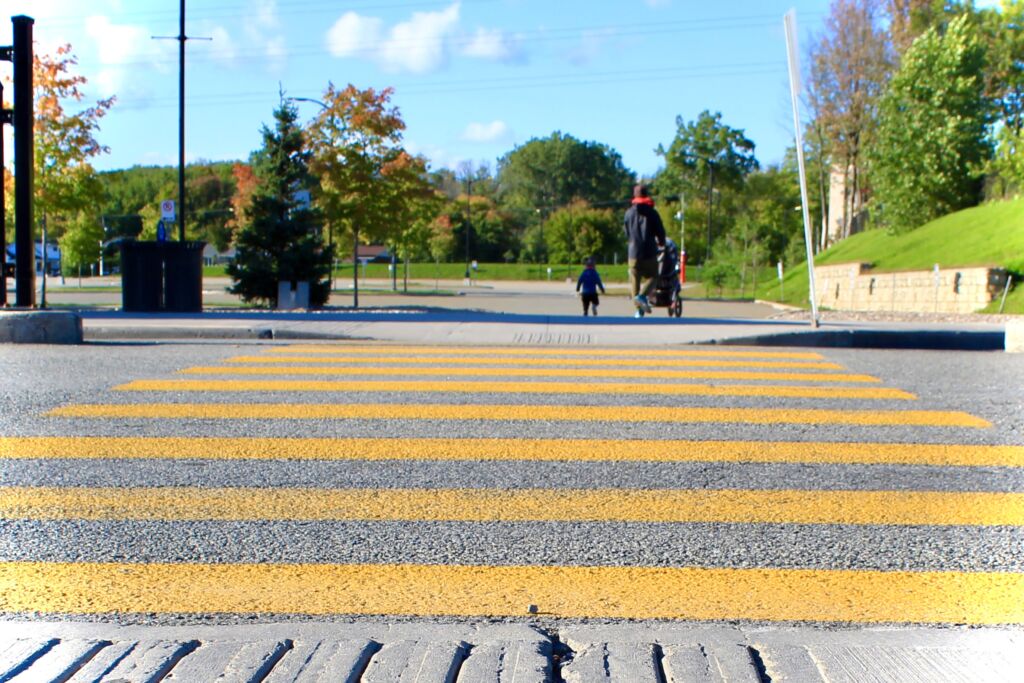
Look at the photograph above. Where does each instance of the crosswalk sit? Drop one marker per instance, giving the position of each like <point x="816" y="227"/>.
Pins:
<point x="385" y="450"/>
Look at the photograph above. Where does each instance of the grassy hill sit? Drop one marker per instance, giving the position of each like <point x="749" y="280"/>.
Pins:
<point x="989" y="235"/>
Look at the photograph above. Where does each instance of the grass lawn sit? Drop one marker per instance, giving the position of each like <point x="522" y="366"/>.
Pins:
<point x="988" y="235"/>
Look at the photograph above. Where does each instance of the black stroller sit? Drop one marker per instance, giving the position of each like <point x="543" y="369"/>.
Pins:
<point x="667" y="292"/>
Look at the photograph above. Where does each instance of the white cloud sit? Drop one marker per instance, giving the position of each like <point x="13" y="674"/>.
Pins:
<point x="354" y="36"/>
<point x="591" y="45"/>
<point x="419" y="45"/>
<point x="493" y="44"/>
<point x="222" y="48"/>
<point x="495" y="131"/>
<point x="262" y="26"/>
<point x="121" y="49"/>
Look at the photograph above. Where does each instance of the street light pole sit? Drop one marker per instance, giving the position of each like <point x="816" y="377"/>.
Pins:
<point x="469" y="216"/>
<point x="330" y="227"/>
<point x="711" y="188"/>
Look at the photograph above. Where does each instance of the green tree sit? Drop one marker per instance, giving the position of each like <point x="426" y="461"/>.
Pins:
<point x="850" y="63"/>
<point x="547" y="173"/>
<point x="65" y="181"/>
<point x="80" y="244"/>
<point x="369" y="185"/>
<point x="281" y="239"/>
<point x="579" y="230"/>
<point x="932" y="146"/>
<point x="1005" y="32"/>
<point x="707" y="154"/>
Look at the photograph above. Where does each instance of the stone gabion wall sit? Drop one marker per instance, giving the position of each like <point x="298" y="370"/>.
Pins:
<point x="855" y="287"/>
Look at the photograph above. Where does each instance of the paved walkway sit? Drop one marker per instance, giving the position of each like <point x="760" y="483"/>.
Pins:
<point x="524" y="653"/>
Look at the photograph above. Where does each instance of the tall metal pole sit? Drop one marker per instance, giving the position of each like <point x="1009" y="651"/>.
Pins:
<point x="355" y="266"/>
<point x="711" y="188"/>
<point x="3" y="206"/>
<point x="794" y="87"/>
<point x="181" y="124"/>
<point x="469" y="217"/>
<point x="24" y="162"/>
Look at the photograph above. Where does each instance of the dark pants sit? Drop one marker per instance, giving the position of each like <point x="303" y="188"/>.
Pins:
<point x="643" y="276"/>
<point x="589" y="299"/>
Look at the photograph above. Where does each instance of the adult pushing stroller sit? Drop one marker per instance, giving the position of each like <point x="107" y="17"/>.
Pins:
<point x="667" y="292"/>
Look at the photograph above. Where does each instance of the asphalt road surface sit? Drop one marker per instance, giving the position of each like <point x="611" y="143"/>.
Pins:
<point x="532" y="297"/>
<point x="217" y="483"/>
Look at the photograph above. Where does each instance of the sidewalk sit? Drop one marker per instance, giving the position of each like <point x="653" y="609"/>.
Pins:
<point x="521" y="652"/>
<point x="470" y="327"/>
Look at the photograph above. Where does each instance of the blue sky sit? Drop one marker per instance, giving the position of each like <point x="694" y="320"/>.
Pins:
<point x="472" y="78"/>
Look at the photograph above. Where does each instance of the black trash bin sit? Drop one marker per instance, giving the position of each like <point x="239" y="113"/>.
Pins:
<point x="162" y="276"/>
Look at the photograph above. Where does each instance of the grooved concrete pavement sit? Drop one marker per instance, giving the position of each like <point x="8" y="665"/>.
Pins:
<point x="524" y="653"/>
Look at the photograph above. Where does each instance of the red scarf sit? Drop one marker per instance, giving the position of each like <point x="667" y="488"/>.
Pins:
<point x="643" y="200"/>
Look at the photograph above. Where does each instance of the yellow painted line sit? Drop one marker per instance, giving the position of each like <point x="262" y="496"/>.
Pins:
<point x="607" y="450"/>
<point x="516" y="388"/>
<point x="399" y="411"/>
<point x="534" y="351"/>
<point x="521" y="505"/>
<point x="401" y="371"/>
<point x="973" y="598"/>
<point x="498" y="361"/>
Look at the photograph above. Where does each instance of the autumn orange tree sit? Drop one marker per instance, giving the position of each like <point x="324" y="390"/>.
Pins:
<point x="371" y="188"/>
<point x="66" y="184"/>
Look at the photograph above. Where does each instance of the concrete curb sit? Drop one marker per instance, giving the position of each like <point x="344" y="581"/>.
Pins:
<point x="374" y="650"/>
<point x="1015" y="336"/>
<point x="932" y="340"/>
<point x="40" y="327"/>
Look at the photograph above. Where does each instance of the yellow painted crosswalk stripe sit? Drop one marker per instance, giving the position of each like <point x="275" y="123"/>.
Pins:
<point x="492" y="361"/>
<point x="404" y="371"/>
<point x="516" y="505"/>
<point x="608" y="450"/>
<point x="402" y="411"/>
<point x="570" y="592"/>
<point x="537" y="351"/>
<point x="592" y="388"/>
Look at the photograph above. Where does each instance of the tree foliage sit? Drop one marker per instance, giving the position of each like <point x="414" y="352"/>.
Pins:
<point x="850" y="64"/>
<point x="705" y="152"/>
<point x="280" y="239"/>
<point x="65" y="181"/>
<point x="580" y="230"/>
<point x="369" y="185"/>
<point x="703" y="147"/>
<point x="548" y="173"/>
<point x="932" y="146"/>
<point x="66" y="184"/>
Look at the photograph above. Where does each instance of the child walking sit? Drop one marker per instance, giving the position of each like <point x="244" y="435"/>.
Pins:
<point x="588" y="284"/>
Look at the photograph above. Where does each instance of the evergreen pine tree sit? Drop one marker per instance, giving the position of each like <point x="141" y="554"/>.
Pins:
<point x="280" y="240"/>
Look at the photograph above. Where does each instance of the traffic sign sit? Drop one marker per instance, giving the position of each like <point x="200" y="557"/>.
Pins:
<point x="167" y="210"/>
<point x="161" y="232"/>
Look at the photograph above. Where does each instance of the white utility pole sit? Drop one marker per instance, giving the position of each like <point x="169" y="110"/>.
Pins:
<point x="794" y="86"/>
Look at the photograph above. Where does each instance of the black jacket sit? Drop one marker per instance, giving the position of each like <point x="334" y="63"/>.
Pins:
<point x="644" y="231"/>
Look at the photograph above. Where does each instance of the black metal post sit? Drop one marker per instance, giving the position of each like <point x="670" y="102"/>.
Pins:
<point x="181" y="124"/>
<point x="469" y="217"/>
<point x="711" y="187"/>
<point x="3" y="206"/>
<point x="24" y="163"/>
<point x="355" y="267"/>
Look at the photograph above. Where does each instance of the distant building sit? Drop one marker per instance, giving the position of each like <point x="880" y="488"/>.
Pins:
<point x="846" y="213"/>
<point x="52" y="259"/>
<point x="373" y="253"/>
<point x="212" y="257"/>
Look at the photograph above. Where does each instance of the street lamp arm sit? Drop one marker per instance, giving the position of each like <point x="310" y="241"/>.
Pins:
<point x="307" y="99"/>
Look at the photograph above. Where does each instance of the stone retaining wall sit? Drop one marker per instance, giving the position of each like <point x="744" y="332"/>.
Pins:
<point x="855" y="287"/>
